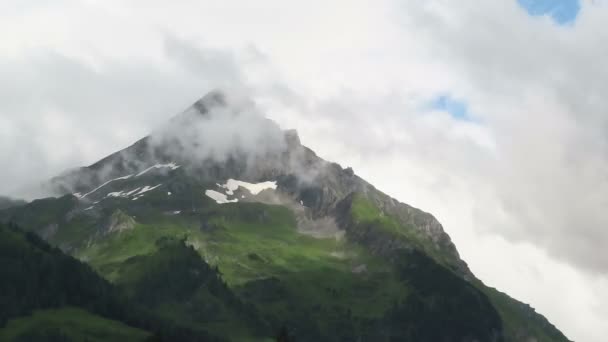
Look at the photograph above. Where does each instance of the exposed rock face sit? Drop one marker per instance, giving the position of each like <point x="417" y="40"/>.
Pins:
<point x="304" y="179"/>
<point x="118" y="222"/>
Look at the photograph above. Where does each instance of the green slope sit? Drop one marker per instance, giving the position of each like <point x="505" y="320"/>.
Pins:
<point x="325" y="289"/>
<point x="520" y="320"/>
<point x="35" y="276"/>
<point x="243" y="271"/>
<point x="180" y="287"/>
<point x="261" y="255"/>
<point x="69" y="324"/>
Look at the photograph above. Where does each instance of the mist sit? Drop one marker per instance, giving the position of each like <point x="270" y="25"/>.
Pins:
<point x="519" y="183"/>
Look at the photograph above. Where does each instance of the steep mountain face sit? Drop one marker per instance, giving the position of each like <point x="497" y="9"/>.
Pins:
<point x="302" y="244"/>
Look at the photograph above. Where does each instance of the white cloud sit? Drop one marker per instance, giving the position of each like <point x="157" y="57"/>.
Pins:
<point x="524" y="186"/>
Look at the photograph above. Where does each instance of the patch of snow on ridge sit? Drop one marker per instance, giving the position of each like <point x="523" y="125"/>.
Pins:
<point x="219" y="197"/>
<point x="136" y="193"/>
<point x="116" y="194"/>
<point x="172" y="166"/>
<point x="233" y="184"/>
<point x="146" y="189"/>
<point x="104" y="184"/>
<point x="254" y="188"/>
<point x="132" y="192"/>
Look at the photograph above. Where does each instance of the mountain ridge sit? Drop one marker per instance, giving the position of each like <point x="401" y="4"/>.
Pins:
<point x="161" y="180"/>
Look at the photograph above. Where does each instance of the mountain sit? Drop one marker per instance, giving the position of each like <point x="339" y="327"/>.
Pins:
<point x="58" y="297"/>
<point x="48" y="295"/>
<point x="7" y="202"/>
<point x="221" y="223"/>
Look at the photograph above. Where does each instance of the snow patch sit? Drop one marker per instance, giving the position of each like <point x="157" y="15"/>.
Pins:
<point x="116" y="194"/>
<point x="132" y="191"/>
<point x="172" y="166"/>
<point x="219" y="197"/>
<point x="233" y="184"/>
<point x="137" y="192"/>
<point x="146" y="189"/>
<point x="254" y="188"/>
<point x="106" y="183"/>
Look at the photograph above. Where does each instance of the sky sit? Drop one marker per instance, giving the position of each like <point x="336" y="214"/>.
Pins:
<point x="488" y="114"/>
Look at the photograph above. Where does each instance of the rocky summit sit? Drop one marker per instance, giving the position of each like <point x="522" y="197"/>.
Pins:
<point x="222" y="226"/>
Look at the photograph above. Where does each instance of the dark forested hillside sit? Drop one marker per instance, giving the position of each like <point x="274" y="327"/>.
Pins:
<point x="35" y="275"/>
<point x="36" y="278"/>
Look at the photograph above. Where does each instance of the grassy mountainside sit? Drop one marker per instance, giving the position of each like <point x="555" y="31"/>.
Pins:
<point x="47" y="295"/>
<point x="180" y="287"/>
<point x="243" y="271"/>
<point x="69" y="324"/>
<point x="35" y="275"/>
<point x="520" y="320"/>
<point x="383" y="235"/>
<point x="289" y="278"/>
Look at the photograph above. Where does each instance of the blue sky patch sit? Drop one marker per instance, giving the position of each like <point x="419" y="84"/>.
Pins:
<point x="562" y="11"/>
<point x="456" y="108"/>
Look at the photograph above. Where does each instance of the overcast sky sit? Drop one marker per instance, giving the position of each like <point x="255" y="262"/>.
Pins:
<point x="488" y="114"/>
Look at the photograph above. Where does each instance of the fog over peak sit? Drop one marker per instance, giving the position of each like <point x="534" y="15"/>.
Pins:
<point x="521" y="189"/>
<point x="219" y="125"/>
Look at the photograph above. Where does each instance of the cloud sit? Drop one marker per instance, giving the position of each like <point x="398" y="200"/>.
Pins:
<point x="221" y="125"/>
<point x="53" y="101"/>
<point x="521" y="188"/>
<point x="549" y="179"/>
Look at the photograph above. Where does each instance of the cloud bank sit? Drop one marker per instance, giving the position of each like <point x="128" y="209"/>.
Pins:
<point x="521" y="187"/>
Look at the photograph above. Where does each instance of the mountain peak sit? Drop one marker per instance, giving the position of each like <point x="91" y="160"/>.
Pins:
<point x="224" y="100"/>
<point x="213" y="99"/>
<point x="284" y="225"/>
